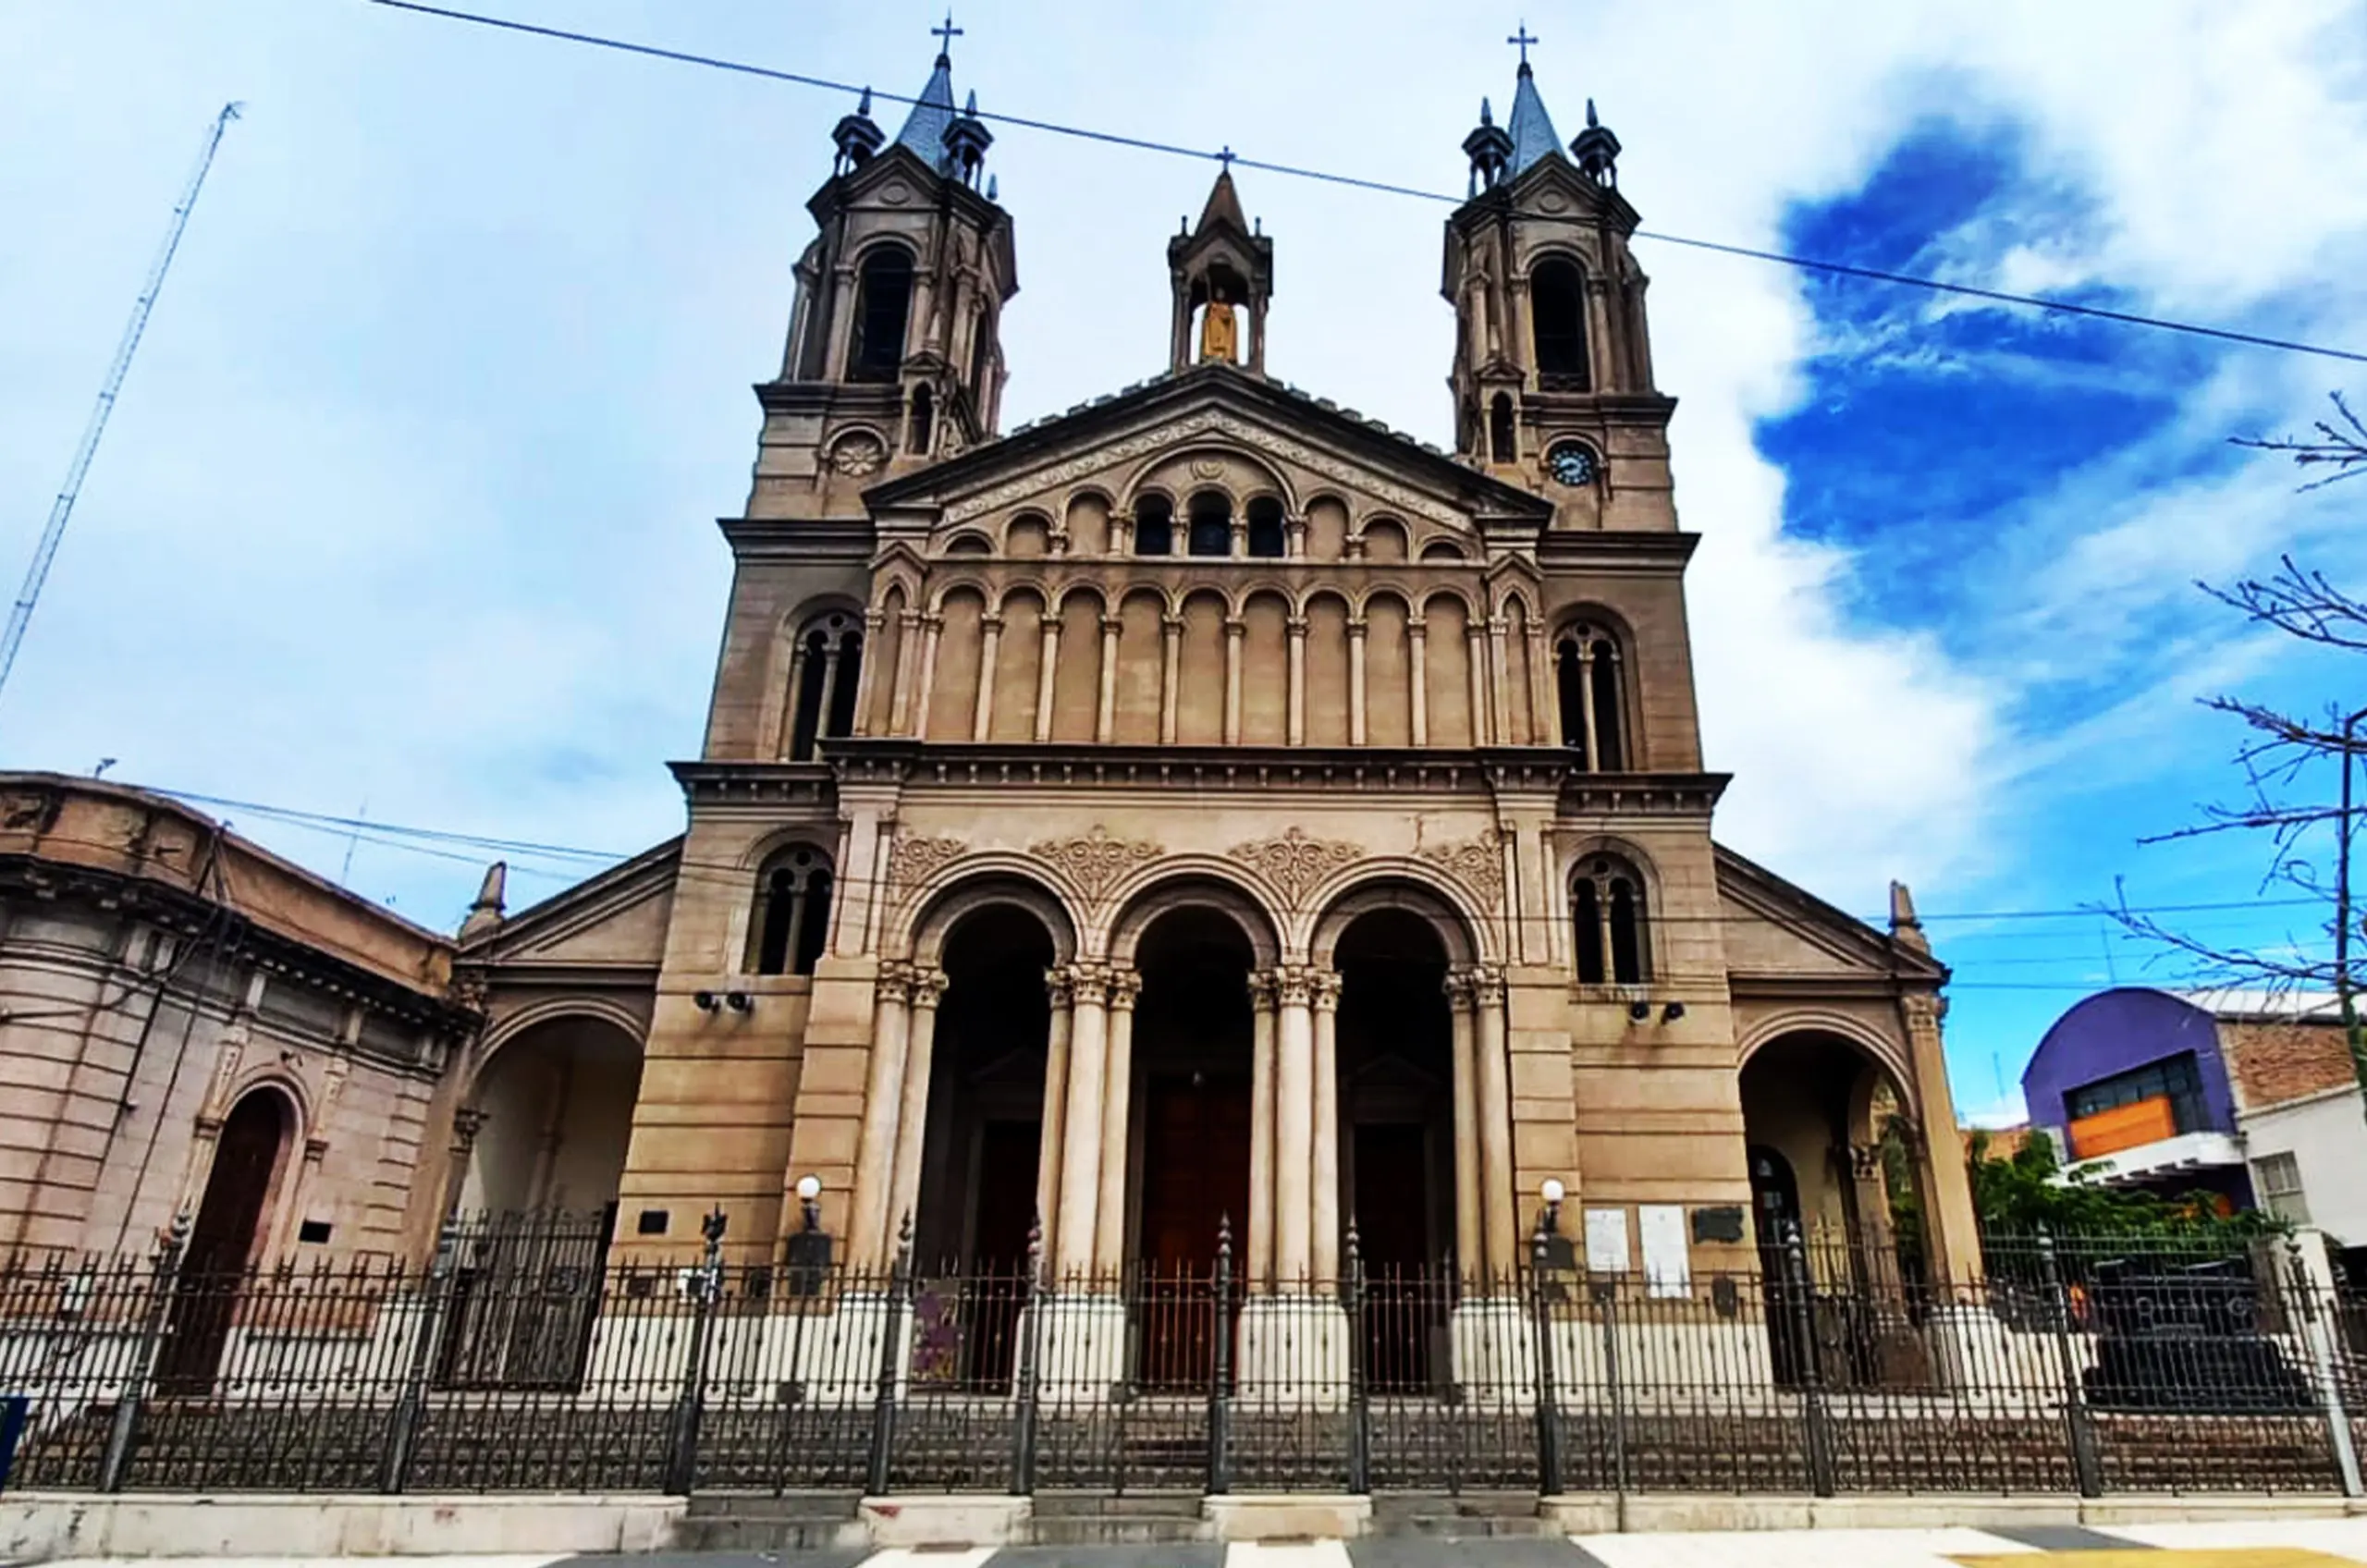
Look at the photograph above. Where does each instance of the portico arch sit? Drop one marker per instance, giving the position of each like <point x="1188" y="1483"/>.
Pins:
<point x="552" y="1107"/>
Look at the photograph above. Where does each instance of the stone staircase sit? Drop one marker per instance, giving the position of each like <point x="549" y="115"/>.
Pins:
<point x="770" y="1521"/>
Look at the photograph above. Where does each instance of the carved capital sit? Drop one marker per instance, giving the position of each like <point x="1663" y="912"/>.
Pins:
<point x="1056" y="988"/>
<point x="1459" y="993"/>
<point x="467" y="1123"/>
<point x="928" y="986"/>
<point x="1296" y="864"/>
<point x="1088" y="984"/>
<point x="895" y="983"/>
<point x="1125" y="989"/>
<point x="1324" y="987"/>
<point x="1262" y="989"/>
<point x="1295" y="625"/>
<point x="1096" y="862"/>
<point x="1293" y="986"/>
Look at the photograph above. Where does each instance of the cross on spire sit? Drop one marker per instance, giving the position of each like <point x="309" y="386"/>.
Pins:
<point x="1226" y="158"/>
<point x="1524" y="37"/>
<point x="948" y="32"/>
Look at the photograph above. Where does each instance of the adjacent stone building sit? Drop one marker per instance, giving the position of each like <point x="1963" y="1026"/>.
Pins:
<point x="191" y="1026"/>
<point x="1207" y="808"/>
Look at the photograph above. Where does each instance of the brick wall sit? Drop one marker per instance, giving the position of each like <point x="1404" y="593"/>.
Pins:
<point x="2276" y="1061"/>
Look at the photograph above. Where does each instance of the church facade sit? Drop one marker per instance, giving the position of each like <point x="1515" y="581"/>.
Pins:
<point x="1206" y="814"/>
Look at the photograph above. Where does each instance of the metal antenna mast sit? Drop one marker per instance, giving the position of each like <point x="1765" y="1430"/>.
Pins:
<point x="22" y="613"/>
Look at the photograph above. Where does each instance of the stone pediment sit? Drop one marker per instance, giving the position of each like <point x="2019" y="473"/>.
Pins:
<point x="1774" y="929"/>
<point x="616" y="919"/>
<point x="1113" y="443"/>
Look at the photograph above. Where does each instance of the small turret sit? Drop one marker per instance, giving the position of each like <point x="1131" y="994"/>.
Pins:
<point x="1223" y="262"/>
<point x="1596" y="151"/>
<point x="966" y="140"/>
<point x="1489" y="148"/>
<point x="857" y="137"/>
<point x="485" y="914"/>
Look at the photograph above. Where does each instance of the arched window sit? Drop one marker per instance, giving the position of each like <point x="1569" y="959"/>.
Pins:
<point x="824" y="673"/>
<point x="1266" y="527"/>
<point x="883" y="298"/>
<point x="1586" y="671"/>
<point x="1499" y="428"/>
<point x="1557" y="296"/>
<point x="792" y="913"/>
<point x="1154" y="526"/>
<point x="1212" y="523"/>
<point x="924" y="420"/>
<point x="1607" y="910"/>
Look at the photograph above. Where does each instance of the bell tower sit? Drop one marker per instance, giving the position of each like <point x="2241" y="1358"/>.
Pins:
<point x="1552" y="373"/>
<point x="1214" y="268"/>
<point x="894" y="357"/>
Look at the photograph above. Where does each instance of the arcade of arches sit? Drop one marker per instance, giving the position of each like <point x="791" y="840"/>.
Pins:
<point x="1140" y="1105"/>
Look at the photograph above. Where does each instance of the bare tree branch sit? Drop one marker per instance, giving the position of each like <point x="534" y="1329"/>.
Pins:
<point x="2341" y="446"/>
<point x="2300" y="602"/>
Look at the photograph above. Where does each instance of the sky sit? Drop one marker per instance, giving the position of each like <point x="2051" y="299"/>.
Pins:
<point x="407" y="509"/>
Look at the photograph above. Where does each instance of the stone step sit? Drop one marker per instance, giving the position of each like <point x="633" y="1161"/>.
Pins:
<point x="1117" y="1530"/>
<point x="814" y="1505"/>
<point x="1050" y="1504"/>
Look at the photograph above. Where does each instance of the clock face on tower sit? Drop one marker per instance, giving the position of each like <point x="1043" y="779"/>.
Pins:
<point x="1572" y="462"/>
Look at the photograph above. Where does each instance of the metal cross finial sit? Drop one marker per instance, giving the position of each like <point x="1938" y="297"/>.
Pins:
<point x="948" y="34"/>
<point x="1524" y="37"/>
<point x="1226" y="157"/>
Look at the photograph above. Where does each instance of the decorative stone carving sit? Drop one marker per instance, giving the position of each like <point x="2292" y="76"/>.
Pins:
<point x="1296" y="864"/>
<point x="1478" y="863"/>
<point x="1095" y="861"/>
<point x="918" y="859"/>
<point x="858" y="453"/>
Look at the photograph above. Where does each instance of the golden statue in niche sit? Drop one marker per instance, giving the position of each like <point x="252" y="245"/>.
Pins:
<point x="1219" y="334"/>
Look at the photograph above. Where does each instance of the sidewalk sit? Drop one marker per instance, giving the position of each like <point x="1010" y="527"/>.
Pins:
<point x="2268" y="1543"/>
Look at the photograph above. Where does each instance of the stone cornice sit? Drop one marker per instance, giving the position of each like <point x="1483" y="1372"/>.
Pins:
<point x="1614" y="550"/>
<point x="801" y="538"/>
<point x="194" y="918"/>
<point x="1352" y="770"/>
<point x="1747" y="985"/>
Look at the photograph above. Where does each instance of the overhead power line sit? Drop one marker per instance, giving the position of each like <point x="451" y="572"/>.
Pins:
<point x="1296" y="171"/>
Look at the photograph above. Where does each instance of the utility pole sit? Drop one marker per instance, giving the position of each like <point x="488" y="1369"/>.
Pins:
<point x="2346" y="999"/>
<point x="22" y="613"/>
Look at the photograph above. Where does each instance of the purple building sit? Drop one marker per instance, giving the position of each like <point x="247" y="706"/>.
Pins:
<point x="2132" y="1083"/>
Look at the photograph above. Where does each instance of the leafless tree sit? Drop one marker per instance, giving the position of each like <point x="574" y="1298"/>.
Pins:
<point x="2284" y="759"/>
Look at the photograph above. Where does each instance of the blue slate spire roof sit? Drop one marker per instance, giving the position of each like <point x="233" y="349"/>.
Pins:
<point x="924" y="130"/>
<point x="1532" y="128"/>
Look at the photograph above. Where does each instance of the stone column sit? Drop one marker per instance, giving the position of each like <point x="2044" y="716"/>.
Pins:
<point x="1257" y="1225"/>
<point x="1080" y="1137"/>
<point x="788" y="704"/>
<point x="1494" y="1083"/>
<point x="1544" y="723"/>
<point x="1951" y="1234"/>
<point x="1105" y="721"/>
<point x="1050" y="1143"/>
<point x="1117" y="1120"/>
<point x="1500" y="698"/>
<point x="990" y="651"/>
<point x="1235" y="628"/>
<point x="926" y="989"/>
<point x="1046" y="665"/>
<point x="832" y="648"/>
<point x="866" y="682"/>
<point x="1586" y="706"/>
<point x="875" y="1173"/>
<point x="908" y="668"/>
<point x="1171" y="669"/>
<point x="931" y="625"/>
<point x="1297" y="630"/>
<point x="1294" y="1127"/>
<point x="1356" y="681"/>
<point x="1324" y="1173"/>
<point x="1476" y="661"/>
<point x="1470" y="1240"/>
<point x="1418" y="649"/>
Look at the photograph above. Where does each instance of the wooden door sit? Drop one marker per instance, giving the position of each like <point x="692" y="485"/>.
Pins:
<point x="996" y="1284"/>
<point x="1392" y="1206"/>
<point x="1195" y="1175"/>
<point x="221" y="1244"/>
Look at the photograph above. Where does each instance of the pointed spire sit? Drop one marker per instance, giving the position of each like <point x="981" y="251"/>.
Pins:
<point x="1532" y="129"/>
<point x="1597" y="150"/>
<point x="1906" y="929"/>
<point x="857" y="137"/>
<point x="485" y="914"/>
<point x="1224" y="205"/>
<point x="1486" y="116"/>
<point x="925" y="127"/>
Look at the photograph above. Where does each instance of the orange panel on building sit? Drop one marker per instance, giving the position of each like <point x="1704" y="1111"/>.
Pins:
<point x="2123" y="1127"/>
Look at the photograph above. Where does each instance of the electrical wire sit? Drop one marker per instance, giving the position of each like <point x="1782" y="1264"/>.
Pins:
<point x="1295" y="171"/>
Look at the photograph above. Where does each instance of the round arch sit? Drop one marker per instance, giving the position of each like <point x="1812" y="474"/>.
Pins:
<point x="1187" y="882"/>
<point x="553" y="1009"/>
<point x="980" y="883"/>
<point x="1883" y="1054"/>
<point x="1448" y="917"/>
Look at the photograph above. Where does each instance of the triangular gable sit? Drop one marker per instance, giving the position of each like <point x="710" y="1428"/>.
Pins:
<point x="1216" y="403"/>
<point x="616" y="918"/>
<point x="1775" y="927"/>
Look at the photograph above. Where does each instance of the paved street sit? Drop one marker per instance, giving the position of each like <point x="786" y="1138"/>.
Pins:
<point x="2301" y="1543"/>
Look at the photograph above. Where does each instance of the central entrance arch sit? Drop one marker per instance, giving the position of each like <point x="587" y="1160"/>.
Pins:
<point x="1191" y="1079"/>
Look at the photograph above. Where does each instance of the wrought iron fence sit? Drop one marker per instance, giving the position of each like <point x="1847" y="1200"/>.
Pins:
<point x="2074" y="1367"/>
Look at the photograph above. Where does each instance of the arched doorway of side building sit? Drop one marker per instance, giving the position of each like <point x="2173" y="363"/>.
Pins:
<point x="250" y="1161"/>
